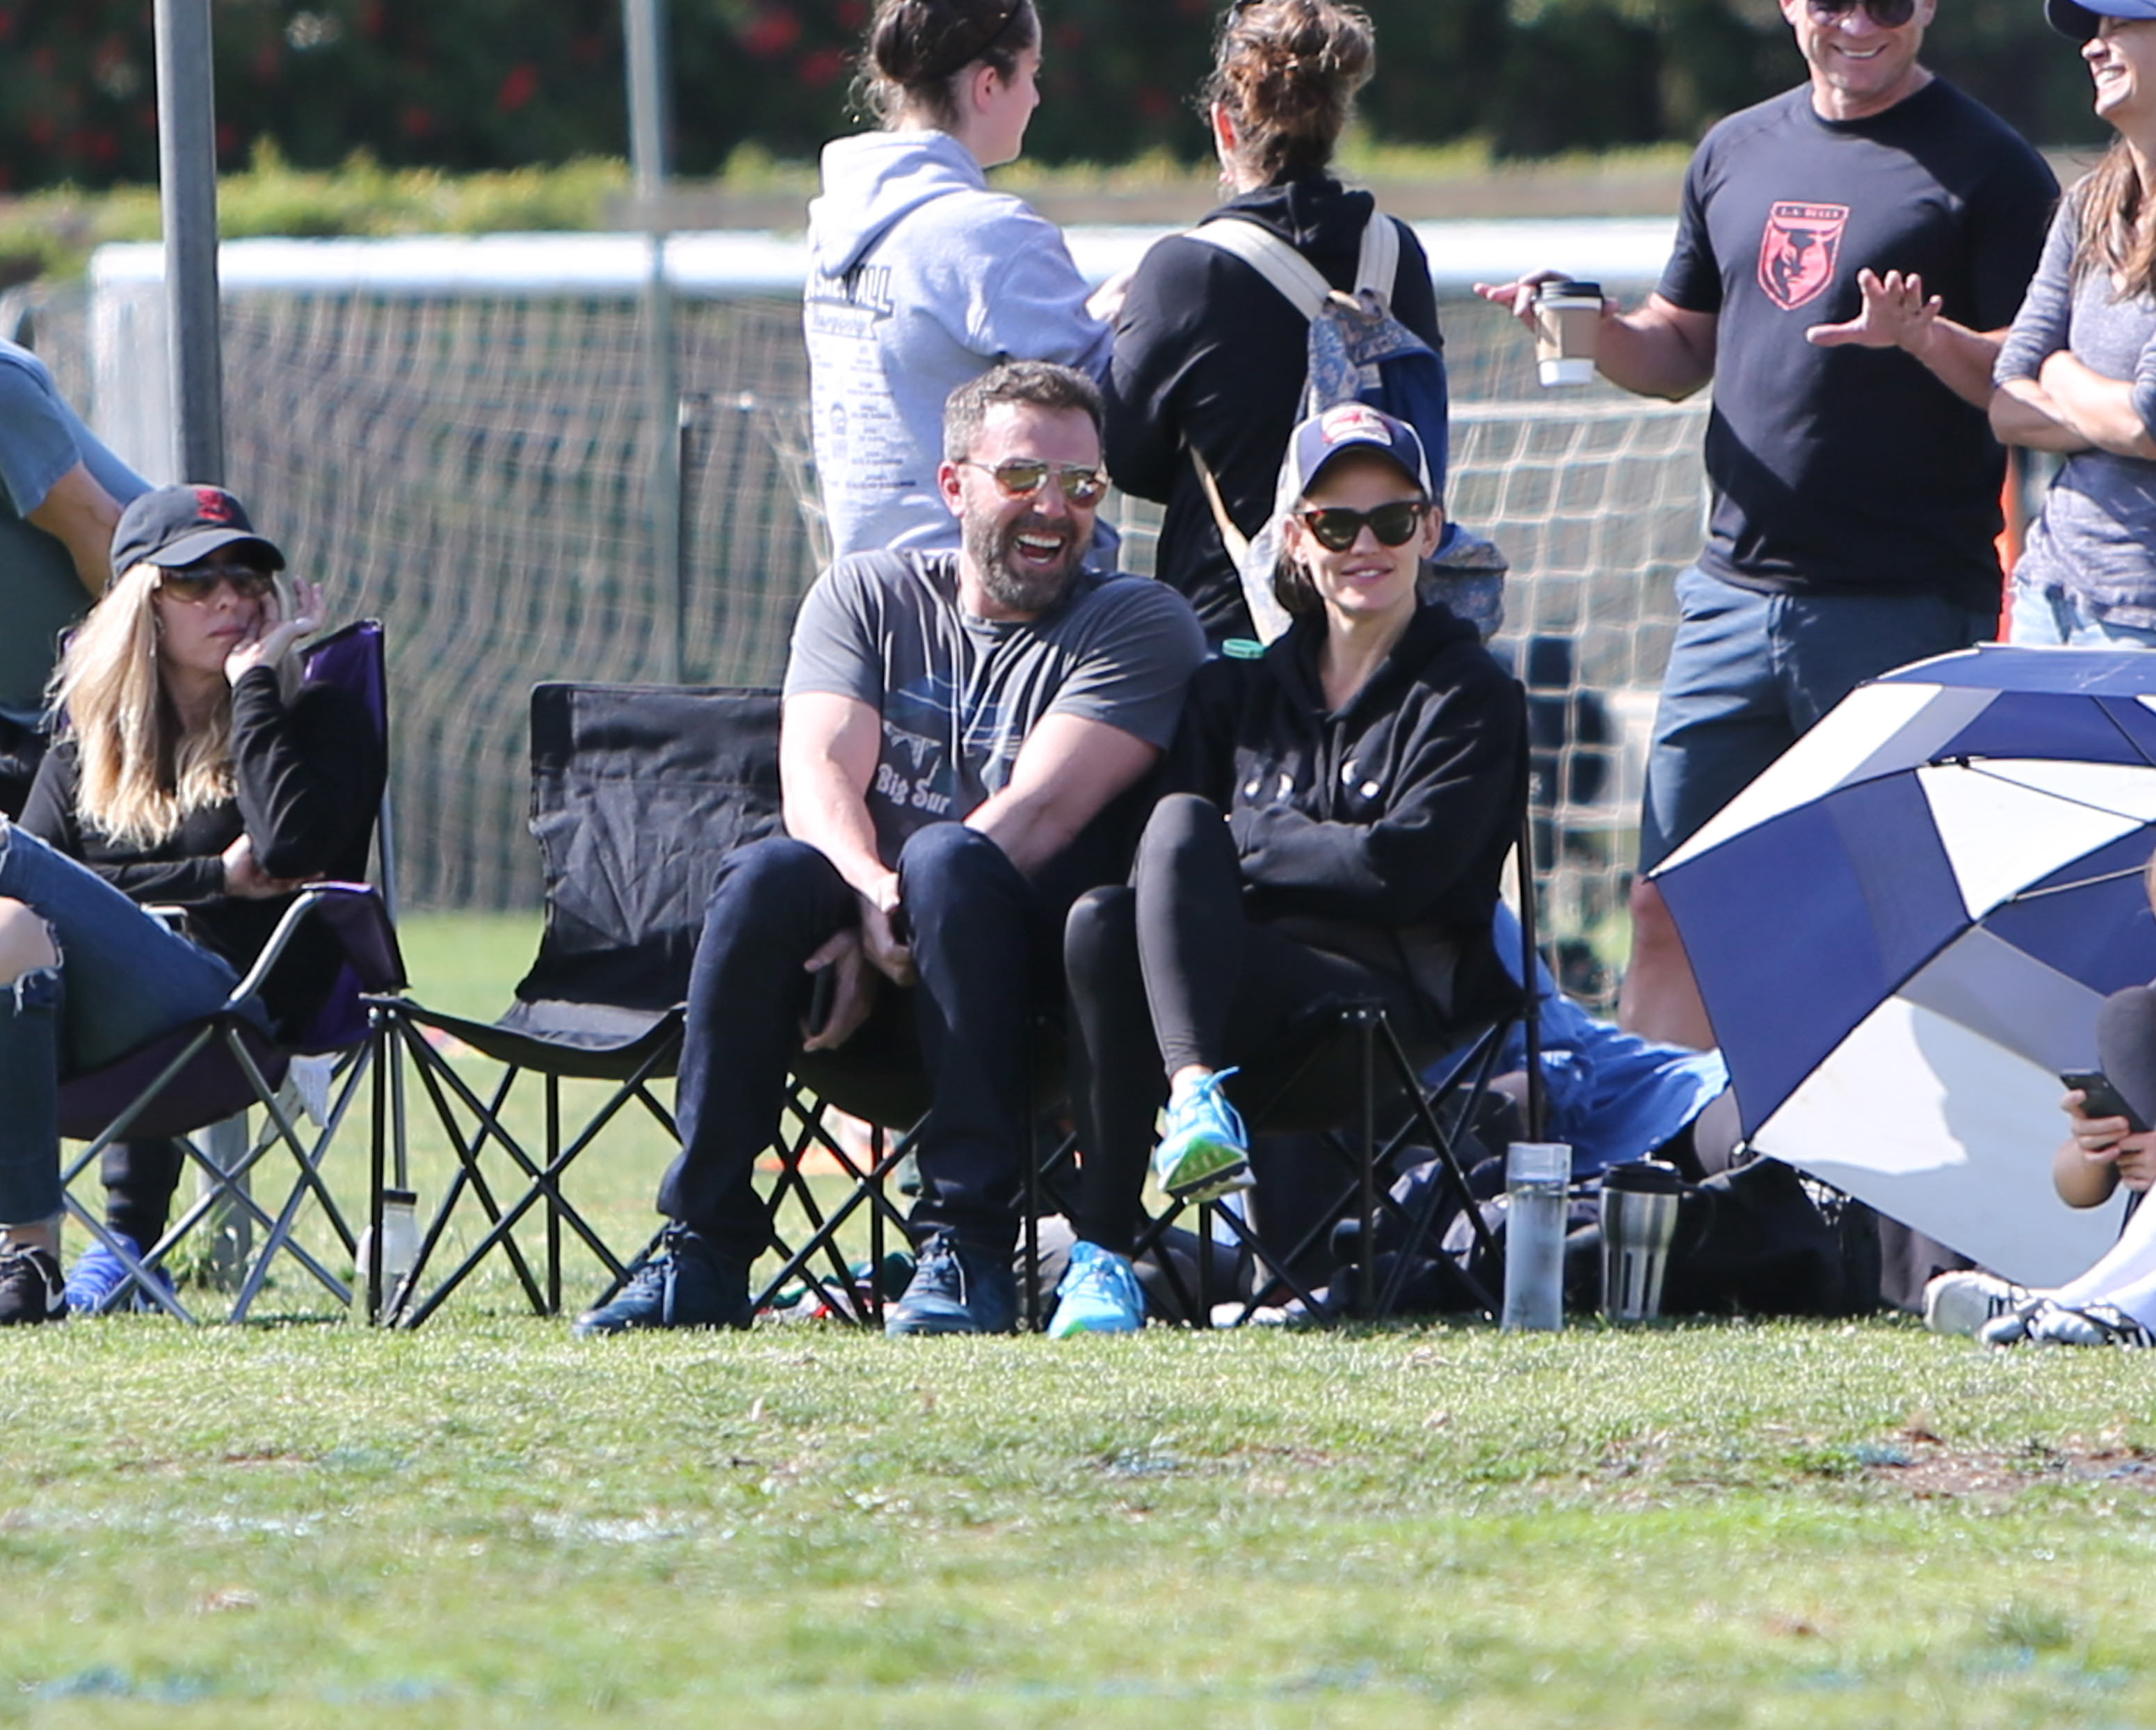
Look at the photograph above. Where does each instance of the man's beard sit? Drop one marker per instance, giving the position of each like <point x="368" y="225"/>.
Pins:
<point x="1021" y="589"/>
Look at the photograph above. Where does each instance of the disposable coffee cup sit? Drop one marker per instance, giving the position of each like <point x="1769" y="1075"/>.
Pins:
<point x="1567" y="321"/>
<point x="1640" y="1203"/>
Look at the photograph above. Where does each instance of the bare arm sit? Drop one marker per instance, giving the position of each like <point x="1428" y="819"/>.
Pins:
<point x="2100" y="409"/>
<point x="1896" y="313"/>
<point x="2099" y="1155"/>
<point x="1658" y="350"/>
<point x="81" y="515"/>
<point x="1067" y="771"/>
<point x="2022" y="414"/>
<point x="828" y="749"/>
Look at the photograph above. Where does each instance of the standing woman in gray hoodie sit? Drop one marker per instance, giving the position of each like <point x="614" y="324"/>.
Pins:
<point x="921" y="277"/>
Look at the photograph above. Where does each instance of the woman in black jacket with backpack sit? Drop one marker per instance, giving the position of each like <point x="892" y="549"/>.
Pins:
<point x="1209" y="356"/>
<point x="1337" y="814"/>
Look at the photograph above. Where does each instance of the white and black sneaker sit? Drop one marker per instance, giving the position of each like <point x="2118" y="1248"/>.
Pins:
<point x="1963" y="1303"/>
<point x="31" y="1288"/>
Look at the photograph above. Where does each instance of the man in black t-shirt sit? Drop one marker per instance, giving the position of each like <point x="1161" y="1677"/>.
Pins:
<point x="1848" y="257"/>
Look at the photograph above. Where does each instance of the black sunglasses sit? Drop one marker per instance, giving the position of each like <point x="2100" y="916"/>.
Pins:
<point x="196" y="583"/>
<point x="1021" y="477"/>
<point x="1394" y="525"/>
<point x="1887" y="14"/>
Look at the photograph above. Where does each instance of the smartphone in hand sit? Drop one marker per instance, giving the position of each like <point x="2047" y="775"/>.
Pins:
<point x="2101" y="1099"/>
<point x="822" y="994"/>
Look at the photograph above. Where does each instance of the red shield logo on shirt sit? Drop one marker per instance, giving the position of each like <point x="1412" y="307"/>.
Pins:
<point x="1799" y="251"/>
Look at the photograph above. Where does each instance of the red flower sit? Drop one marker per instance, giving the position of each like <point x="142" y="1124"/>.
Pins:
<point x="228" y="138"/>
<point x="518" y="88"/>
<point x="772" y="31"/>
<point x="6" y="23"/>
<point x="818" y="68"/>
<point x="102" y="147"/>
<point x="265" y="60"/>
<point x="370" y="17"/>
<point x="851" y="14"/>
<point x="416" y="122"/>
<point x="1153" y="101"/>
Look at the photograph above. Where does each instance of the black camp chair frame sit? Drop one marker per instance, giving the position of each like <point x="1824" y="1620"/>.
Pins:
<point x="401" y="1029"/>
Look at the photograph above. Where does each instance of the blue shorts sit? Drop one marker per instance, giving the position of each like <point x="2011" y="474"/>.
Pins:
<point x="1749" y="672"/>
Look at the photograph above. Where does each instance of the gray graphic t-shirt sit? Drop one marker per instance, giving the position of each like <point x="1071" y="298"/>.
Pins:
<point x="958" y="695"/>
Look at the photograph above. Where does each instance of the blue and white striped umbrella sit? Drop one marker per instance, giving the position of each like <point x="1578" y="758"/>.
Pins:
<point x="1903" y="931"/>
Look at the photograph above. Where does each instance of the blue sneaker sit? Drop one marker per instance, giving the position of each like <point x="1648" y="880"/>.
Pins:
<point x="94" y="1283"/>
<point x="685" y="1284"/>
<point x="955" y="1290"/>
<point x="1099" y="1293"/>
<point x="1204" y="1153"/>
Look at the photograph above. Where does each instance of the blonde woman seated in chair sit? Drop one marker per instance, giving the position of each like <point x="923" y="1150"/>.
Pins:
<point x="191" y="770"/>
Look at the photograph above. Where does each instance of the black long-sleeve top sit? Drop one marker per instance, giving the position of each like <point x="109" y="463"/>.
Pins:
<point x="1378" y="830"/>
<point x="308" y="779"/>
<point x="1209" y="354"/>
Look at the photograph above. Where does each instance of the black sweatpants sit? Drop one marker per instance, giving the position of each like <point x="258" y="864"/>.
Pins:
<point x="1168" y="972"/>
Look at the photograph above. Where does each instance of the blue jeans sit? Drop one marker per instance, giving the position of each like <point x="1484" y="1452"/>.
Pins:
<point x="2058" y="618"/>
<point x="984" y="941"/>
<point x="1749" y="672"/>
<point x="123" y="981"/>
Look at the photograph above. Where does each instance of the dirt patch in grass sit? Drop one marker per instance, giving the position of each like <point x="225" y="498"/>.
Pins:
<point x="1927" y="1468"/>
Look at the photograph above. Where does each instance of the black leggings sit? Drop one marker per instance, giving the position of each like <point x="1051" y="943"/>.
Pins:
<point x="139" y="1179"/>
<point x="1169" y="972"/>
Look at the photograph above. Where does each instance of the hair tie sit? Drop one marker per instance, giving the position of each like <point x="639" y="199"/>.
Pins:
<point x="973" y="51"/>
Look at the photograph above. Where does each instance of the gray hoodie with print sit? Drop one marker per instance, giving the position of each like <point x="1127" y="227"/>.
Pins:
<point x="920" y="278"/>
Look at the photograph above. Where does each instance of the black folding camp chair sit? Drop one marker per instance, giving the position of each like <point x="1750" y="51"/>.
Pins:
<point x="638" y="792"/>
<point x="225" y="1064"/>
<point x="1360" y="1098"/>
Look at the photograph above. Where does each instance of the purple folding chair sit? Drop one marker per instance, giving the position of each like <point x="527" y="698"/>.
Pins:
<point x="221" y="1066"/>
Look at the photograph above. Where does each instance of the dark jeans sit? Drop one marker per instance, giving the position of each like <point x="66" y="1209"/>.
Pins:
<point x="983" y="942"/>
<point x="1169" y="972"/>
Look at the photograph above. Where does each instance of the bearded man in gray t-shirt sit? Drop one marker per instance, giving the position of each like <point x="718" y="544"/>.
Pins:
<point x="958" y="736"/>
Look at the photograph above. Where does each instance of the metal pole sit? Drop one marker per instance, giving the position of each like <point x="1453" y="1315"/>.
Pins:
<point x="186" y="153"/>
<point x="644" y="23"/>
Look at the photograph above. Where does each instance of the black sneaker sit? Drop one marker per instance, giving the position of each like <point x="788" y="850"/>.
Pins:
<point x="955" y="1290"/>
<point x="685" y="1284"/>
<point x="31" y="1288"/>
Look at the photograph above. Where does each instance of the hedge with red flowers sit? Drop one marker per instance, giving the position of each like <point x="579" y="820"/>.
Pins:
<point x="480" y="84"/>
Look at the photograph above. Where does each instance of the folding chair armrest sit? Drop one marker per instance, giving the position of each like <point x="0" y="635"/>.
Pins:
<point x="355" y="913"/>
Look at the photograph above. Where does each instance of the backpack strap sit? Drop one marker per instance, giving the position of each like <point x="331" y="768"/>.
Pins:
<point x="1379" y="266"/>
<point x="1299" y="282"/>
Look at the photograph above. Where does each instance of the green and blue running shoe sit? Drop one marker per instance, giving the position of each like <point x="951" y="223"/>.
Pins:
<point x="1099" y="1293"/>
<point x="1204" y="1152"/>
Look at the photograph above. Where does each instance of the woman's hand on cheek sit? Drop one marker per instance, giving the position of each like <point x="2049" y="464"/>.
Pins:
<point x="273" y="637"/>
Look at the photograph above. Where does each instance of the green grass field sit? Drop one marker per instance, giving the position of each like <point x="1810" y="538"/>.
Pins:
<point x="487" y="1523"/>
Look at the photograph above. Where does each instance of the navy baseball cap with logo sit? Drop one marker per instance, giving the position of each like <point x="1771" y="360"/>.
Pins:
<point x="2080" y="19"/>
<point x="175" y="526"/>
<point x="1353" y="426"/>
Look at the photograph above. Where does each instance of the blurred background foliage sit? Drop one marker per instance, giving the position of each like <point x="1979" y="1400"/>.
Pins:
<point x="497" y="85"/>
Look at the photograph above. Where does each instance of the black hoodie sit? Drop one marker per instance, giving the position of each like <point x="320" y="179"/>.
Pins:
<point x="1209" y="353"/>
<point x="1378" y="830"/>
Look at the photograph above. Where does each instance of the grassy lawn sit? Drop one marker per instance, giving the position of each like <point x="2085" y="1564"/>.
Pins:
<point x="488" y="1523"/>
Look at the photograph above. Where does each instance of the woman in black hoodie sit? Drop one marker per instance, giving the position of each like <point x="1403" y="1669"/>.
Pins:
<point x="1209" y="358"/>
<point x="1338" y="814"/>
